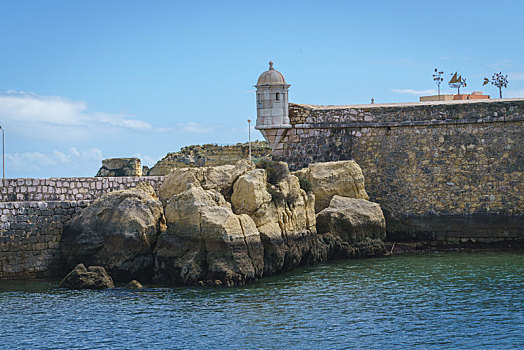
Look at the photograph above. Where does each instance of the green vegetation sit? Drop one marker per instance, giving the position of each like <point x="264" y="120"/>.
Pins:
<point x="305" y="184"/>
<point x="275" y="171"/>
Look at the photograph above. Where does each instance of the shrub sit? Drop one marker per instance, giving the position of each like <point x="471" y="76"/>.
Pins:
<point x="305" y="184"/>
<point x="276" y="171"/>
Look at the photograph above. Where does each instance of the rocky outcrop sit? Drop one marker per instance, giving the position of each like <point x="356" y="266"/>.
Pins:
<point x="284" y="217"/>
<point x="209" y="155"/>
<point x="343" y="178"/>
<point x="219" y="179"/>
<point x="94" y="277"/>
<point x="118" y="231"/>
<point x="352" y="227"/>
<point x="206" y="242"/>
<point x="120" y="167"/>
<point x="227" y="225"/>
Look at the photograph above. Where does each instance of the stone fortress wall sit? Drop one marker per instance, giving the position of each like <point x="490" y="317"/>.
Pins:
<point x="32" y="214"/>
<point x="440" y="170"/>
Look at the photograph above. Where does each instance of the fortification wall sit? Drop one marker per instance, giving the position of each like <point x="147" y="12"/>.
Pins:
<point x="443" y="170"/>
<point x="32" y="214"/>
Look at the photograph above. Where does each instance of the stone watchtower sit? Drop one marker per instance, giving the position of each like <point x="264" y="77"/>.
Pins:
<point x="272" y="106"/>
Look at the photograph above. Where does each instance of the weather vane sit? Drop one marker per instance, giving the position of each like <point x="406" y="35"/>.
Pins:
<point x="457" y="82"/>
<point x="438" y="79"/>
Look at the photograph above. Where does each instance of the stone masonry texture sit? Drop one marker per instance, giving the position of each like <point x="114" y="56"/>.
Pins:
<point x="444" y="170"/>
<point x="32" y="214"/>
<point x="68" y="188"/>
<point x="30" y="235"/>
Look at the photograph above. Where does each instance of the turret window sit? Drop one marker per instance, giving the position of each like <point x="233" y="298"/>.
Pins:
<point x="277" y="96"/>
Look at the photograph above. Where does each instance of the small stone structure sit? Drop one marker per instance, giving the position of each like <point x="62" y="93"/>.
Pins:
<point x="120" y="167"/>
<point x="272" y="105"/>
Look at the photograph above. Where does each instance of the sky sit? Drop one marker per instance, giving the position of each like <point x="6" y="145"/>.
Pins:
<point x="81" y="81"/>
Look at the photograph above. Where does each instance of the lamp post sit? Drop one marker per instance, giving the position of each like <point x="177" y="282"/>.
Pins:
<point x="249" y="137"/>
<point x="3" y="153"/>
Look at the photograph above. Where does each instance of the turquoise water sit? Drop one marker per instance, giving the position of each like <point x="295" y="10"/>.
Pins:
<point x="432" y="301"/>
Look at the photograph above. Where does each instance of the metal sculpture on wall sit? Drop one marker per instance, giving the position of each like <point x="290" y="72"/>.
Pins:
<point x="457" y="82"/>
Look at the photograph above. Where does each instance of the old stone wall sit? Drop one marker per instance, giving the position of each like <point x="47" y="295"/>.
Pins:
<point x="442" y="170"/>
<point x="68" y="188"/>
<point x="30" y="235"/>
<point x="32" y="214"/>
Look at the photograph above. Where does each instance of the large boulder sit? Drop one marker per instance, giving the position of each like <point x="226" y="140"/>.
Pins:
<point x="352" y="227"/>
<point x="343" y="178"/>
<point x="120" y="167"/>
<point x="249" y="192"/>
<point x="206" y="242"/>
<point x="283" y="214"/>
<point x="117" y="231"/>
<point x="94" y="277"/>
<point x="219" y="178"/>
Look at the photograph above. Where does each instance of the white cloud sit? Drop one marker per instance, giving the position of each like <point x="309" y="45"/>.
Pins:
<point x="58" y="118"/>
<point x="72" y="159"/>
<point x="413" y="92"/>
<point x="50" y="117"/>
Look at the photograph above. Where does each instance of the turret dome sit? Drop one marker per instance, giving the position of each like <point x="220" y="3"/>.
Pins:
<point x="271" y="77"/>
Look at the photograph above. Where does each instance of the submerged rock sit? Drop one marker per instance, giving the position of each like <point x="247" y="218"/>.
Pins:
<point x="94" y="277"/>
<point x="134" y="284"/>
<point x="352" y="227"/>
<point x="343" y="178"/>
<point x="118" y="231"/>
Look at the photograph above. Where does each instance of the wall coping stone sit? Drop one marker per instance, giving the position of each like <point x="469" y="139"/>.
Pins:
<point x="408" y="123"/>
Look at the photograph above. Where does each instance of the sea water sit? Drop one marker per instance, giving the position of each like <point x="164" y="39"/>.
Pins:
<point x="425" y="301"/>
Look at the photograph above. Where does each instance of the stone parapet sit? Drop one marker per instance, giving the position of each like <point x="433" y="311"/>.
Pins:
<point x="68" y="188"/>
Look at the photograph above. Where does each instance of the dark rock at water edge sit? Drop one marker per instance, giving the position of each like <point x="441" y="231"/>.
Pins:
<point x="134" y="284"/>
<point x="352" y="228"/>
<point x="118" y="231"/>
<point x="94" y="277"/>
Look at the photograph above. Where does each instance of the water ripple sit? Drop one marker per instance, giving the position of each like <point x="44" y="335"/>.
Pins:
<point x="434" y="301"/>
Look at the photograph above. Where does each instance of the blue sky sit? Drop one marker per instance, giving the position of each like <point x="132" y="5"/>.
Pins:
<point x="85" y="80"/>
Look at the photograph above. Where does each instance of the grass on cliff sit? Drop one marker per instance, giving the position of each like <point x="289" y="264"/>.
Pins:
<point x="276" y="171"/>
<point x="305" y="184"/>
